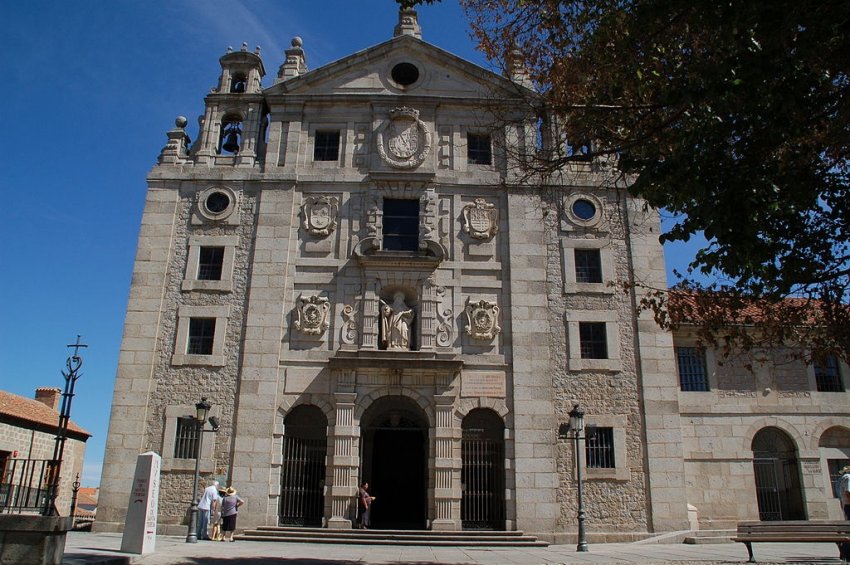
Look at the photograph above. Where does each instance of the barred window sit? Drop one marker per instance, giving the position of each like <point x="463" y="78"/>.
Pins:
<point x="210" y="262"/>
<point x="599" y="448"/>
<point x="588" y="266"/>
<point x="326" y="147"/>
<point x="201" y="334"/>
<point x="186" y="438"/>
<point x="401" y="225"/>
<point x="593" y="340"/>
<point x="692" y="373"/>
<point x="478" y="150"/>
<point x="828" y="375"/>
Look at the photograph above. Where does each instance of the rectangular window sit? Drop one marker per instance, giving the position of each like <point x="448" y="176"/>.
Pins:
<point x="186" y="438"/>
<point x="401" y="225"/>
<point x="692" y="373"/>
<point x="588" y="266"/>
<point x="593" y="340"/>
<point x="478" y="150"/>
<point x="210" y="263"/>
<point x="579" y="150"/>
<point x="327" y="146"/>
<point x="201" y="334"/>
<point x="828" y="375"/>
<point x="599" y="448"/>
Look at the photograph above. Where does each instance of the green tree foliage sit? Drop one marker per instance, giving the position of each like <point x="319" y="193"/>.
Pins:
<point x="732" y="115"/>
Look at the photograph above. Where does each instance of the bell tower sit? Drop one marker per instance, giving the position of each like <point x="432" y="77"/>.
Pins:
<point x="233" y="127"/>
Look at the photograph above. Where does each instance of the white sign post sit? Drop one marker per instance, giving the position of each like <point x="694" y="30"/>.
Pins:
<point x="140" y="525"/>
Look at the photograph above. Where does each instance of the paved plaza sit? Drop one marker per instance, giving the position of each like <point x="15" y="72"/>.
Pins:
<point x="103" y="549"/>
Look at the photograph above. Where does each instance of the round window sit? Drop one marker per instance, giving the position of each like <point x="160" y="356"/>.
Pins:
<point x="405" y="74"/>
<point x="217" y="202"/>
<point x="584" y="209"/>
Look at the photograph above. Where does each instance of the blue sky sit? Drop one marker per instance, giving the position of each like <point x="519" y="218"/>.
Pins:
<point x="90" y="88"/>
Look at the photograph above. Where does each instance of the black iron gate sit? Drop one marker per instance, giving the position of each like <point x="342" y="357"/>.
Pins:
<point x="767" y="489"/>
<point x="482" y="504"/>
<point x="302" y="481"/>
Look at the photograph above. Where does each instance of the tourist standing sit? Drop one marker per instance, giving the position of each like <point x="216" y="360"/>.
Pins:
<point x="208" y="503"/>
<point x="229" y="507"/>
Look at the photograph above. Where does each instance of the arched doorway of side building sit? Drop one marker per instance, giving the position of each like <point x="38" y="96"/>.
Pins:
<point x="394" y="461"/>
<point x="777" y="474"/>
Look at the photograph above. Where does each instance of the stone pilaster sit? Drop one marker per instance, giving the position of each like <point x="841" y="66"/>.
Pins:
<point x="427" y="316"/>
<point x="447" y="467"/>
<point x="344" y="462"/>
<point x="371" y="307"/>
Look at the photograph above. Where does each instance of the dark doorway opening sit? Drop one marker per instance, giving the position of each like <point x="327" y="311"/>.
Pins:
<point x="482" y="505"/>
<point x="302" y="476"/>
<point x="778" y="487"/>
<point x="395" y="463"/>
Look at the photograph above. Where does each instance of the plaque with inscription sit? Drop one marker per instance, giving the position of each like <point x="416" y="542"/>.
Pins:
<point x="483" y="383"/>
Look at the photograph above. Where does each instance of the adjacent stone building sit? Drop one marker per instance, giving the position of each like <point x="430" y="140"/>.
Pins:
<point x="28" y="429"/>
<point x="347" y="266"/>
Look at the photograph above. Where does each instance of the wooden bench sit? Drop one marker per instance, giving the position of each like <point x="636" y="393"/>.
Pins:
<point x="837" y="532"/>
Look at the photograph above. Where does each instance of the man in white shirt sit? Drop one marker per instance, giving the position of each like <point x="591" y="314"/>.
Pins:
<point x="209" y="502"/>
<point x="844" y="498"/>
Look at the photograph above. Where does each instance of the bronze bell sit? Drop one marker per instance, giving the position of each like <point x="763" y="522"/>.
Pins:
<point x="231" y="142"/>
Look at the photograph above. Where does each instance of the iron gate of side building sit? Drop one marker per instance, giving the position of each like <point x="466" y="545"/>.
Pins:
<point x="777" y="477"/>
<point x="302" y="477"/>
<point x="482" y="505"/>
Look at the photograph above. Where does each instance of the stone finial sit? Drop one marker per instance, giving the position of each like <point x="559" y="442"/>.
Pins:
<point x="245" y="46"/>
<point x="295" y="63"/>
<point x="175" y="151"/>
<point x="257" y="50"/>
<point x="408" y="24"/>
<point x="517" y="70"/>
<point x="229" y="49"/>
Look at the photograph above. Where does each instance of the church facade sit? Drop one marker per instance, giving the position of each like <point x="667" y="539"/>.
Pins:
<point x="346" y="267"/>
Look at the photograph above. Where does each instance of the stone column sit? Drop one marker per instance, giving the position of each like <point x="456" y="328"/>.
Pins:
<point x="344" y="462"/>
<point x="447" y="467"/>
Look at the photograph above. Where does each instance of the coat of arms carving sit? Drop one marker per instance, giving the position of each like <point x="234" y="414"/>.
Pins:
<point x="405" y="141"/>
<point x="482" y="320"/>
<point x="319" y="214"/>
<point x="480" y="219"/>
<point x="312" y="315"/>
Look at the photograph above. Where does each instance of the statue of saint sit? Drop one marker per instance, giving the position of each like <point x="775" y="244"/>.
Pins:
<point x="396" y="319"/>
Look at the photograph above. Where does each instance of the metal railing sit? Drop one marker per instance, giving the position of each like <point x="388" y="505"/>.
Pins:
<point x="25" y="485"/>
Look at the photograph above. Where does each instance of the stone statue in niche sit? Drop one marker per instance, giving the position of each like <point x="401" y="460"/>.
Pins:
<point x="312" y="315"/>
<point x="482" y="320"/>
<point x="396" y="322"/>
<point x="481" y="220"/>
<point x="319" y="214"/>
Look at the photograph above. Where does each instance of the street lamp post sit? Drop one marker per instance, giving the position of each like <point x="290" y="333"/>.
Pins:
<point x="202" y="408"/>
<point x="577" y="427"/>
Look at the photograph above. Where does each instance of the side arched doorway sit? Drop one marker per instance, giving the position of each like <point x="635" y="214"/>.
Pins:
<point x="302" y="474"/>
<point x="777" y="474"/>
<point x="394" y="433"/>
<point x="482" y="505"/>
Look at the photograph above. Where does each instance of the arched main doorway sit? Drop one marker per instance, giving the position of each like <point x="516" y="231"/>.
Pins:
<point x="302" y="474"/>
<point x="482" y="505"/>
<point x="395" y="462"/>
<point x="777" y="474"/>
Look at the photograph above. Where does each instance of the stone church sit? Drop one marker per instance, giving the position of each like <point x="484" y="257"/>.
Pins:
<point x="345" y="264"/>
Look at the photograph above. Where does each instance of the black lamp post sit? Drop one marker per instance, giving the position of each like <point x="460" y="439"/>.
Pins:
<point x="202" y="408"/>
<point x="577" y="428"/>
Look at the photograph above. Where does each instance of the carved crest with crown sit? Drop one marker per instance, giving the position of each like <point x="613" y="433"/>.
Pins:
<point x="404" y="142"/>
<point x="480" y="219"/>
<point x="482" y="320"/>
<point x="312" y="315"/>
<point x="319" y="214"/>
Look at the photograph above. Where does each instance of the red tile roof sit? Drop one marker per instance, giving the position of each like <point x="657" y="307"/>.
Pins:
<point x="34" y="412"/>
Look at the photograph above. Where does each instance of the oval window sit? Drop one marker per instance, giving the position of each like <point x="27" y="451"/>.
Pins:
<point x="405" y="74"/>
<point x="217" y="202"/>
<point x="584" y="209"/>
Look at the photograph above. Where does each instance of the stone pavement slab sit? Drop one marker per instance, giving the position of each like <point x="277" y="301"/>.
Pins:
<point x="83" y="548"/>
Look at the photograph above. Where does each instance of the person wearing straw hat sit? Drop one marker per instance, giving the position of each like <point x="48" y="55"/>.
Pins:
<point x="229" y="507"/>
<point x="844" y="497"/>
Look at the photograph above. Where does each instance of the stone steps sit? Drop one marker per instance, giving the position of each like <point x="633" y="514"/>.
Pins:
<point x="392" y="537"/>
<point x="705" y="537"/>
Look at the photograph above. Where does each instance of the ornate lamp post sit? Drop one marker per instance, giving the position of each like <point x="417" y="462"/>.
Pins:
<point x="202" y="408"/>
<point x="577" y="428"/>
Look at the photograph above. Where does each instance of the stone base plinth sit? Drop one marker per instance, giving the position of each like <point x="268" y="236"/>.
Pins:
<point x="33" y="540"/>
